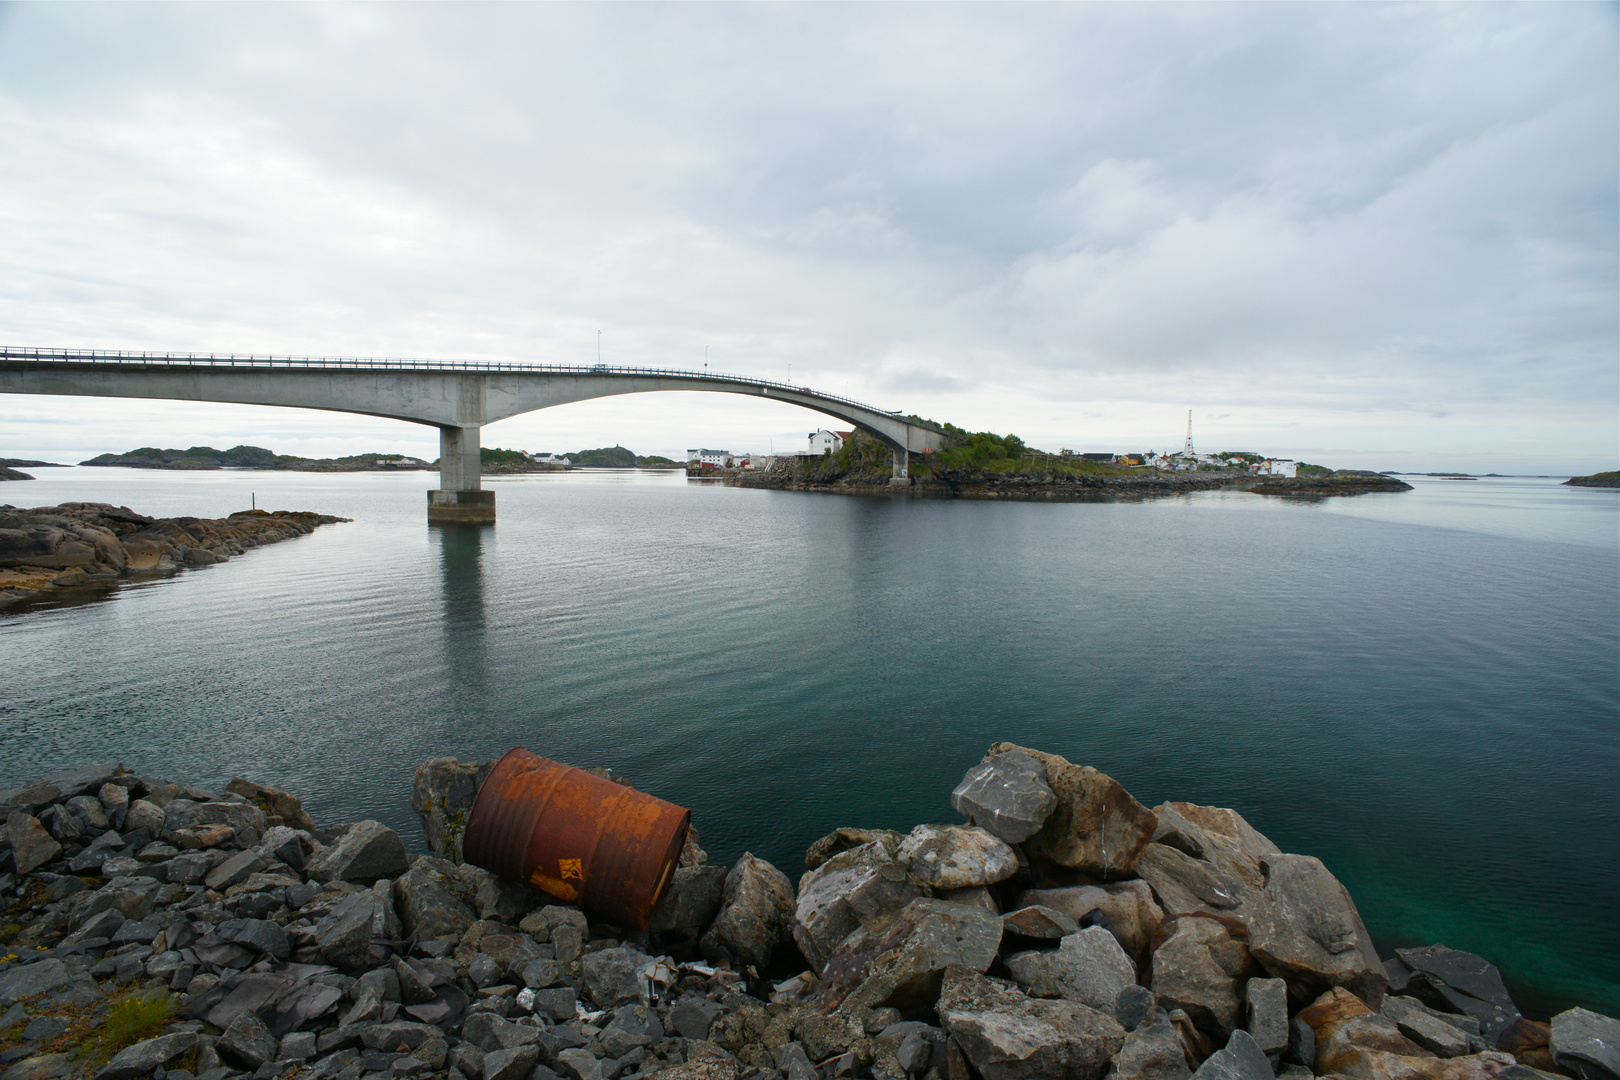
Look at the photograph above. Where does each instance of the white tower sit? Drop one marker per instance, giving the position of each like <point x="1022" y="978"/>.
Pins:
<point x="1188" y="450"/>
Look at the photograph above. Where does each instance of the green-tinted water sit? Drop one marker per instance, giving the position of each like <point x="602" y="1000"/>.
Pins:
<point x="1422" y="689"/>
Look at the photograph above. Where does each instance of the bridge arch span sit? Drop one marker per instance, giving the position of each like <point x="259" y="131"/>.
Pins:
<point x="457" y="397"/>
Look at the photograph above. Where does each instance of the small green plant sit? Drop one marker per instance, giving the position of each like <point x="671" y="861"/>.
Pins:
<point x="128" y="1020"/>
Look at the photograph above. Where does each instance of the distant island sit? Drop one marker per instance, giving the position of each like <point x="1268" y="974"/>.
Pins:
<point x="491" y="460"/>
<point x="1598" y="480"/>
<point x="253" y="457"/>
<point x="9" y="467"/>
<point x="494" y="460"/>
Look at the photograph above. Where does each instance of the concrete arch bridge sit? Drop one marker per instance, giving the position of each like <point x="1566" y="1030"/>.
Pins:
<point x="457" y="397"/>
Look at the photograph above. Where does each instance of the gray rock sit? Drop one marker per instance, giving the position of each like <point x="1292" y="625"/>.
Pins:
<point x="260" y="934"/>
<point x="1419" y="1023"/>
<point x="914" y="1053"/>
<point x="31" y="845"/>
<point x="539" y="974"/>
<point x="567" y="942"/>
<point x="613" y="976"/>
<point x="44" y="1028"/>
<point x="556" y="1005"/>
<point x="96" y="852"/>
<point x="792" y="1060"/>
<point x="384" y="981"/>
<point x="692" y="901"/>
<point x="143" y="814"/>
<point x="234" y="870"/>
<point x="1309" y="934"/>
<point x="1006" y="794"/>
<point x="1455" y="981"/>
<point x="691" y="1018"/>
<point x="1036" y="921"/>
<point x="297" y="1046"/>
<point x="103" y="924"/>
<point x="861" y="886"/>
<point x="1133" y="916"/>
<point x="398" y="1036"/>
<point x="42" y="1067"/>
<point x="468" y="1060"/>
<point x="846" y="839"/>
<point x="61" y="824"/>
<point x="367" y="1008"/>
<point x="414" y="987"/>
<point x="1152" y="1051"/>
<point x="247" y="1041"/>
<point x="1268" y="1013"/>
<point x="139" y="930"/>
<point x="432" y="900"/>
<point x="485" y="970"/>
<point x="1200" y="969"/>
<point x="494" y="897"/>
<point x="956" y="856"/>
<point x="343" y="937"/>
<point x="514" y="1064"/>
<point x="756" y="913"/>
<point x="189" y="814"/>
<point x="1240" y="1059"/>
<point x="368" y="851"/>
<point x="1095" y="827"/>
<point x="190" y="868"/>
<point x="144" y="1057"/>
<point x="1132" y="1005"/>
<point x="87" y="809"/>
<point x="1587" y="1044"/>
<point x="26" y="980"/>
<point x="1088" y="967"/>
<point x="902" y="964"/>
<point x="579" y="1065"/>
<point x="443" y="794"/>
<point x="1301" y="1049"/>
<point x="489" y="1032"/>
<point x="114" y="800"/>
<point x="1007" y="1036"/>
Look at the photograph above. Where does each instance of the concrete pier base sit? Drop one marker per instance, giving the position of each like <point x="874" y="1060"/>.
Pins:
<point x="461" y="507"/>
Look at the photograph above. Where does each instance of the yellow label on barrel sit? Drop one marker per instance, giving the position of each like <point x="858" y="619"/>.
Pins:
<point x="570" y="868"/>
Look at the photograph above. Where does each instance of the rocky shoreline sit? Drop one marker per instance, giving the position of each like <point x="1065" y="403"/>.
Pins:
<point x="1065" y="487"/>
<point x="56" y="550"/>
<point x="1066" y="932"/>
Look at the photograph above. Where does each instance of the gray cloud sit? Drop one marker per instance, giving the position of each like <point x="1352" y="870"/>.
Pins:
<point x="1061" y="220"/>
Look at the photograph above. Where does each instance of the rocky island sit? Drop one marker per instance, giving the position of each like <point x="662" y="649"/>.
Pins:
<point x="9" y="468"/>
<point x="1002" y="469"/>
<point x="1063" y="931"/>
<point x="1598" y="480"/>
<point x="254" y="457"/>
<point x="53" y="550"/>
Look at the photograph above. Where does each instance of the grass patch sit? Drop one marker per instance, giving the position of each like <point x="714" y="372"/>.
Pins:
<point x="128" y="1020"/>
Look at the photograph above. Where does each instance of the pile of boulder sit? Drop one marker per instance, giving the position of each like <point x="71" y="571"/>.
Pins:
<point x="80" y="544"/>
<point x="1065" y="931"/>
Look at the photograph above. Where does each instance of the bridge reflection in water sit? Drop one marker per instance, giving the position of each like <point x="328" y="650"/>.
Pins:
<point x="464" y="629"/>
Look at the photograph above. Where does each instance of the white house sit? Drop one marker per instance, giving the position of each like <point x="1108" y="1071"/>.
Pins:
<point x="823" y="441"/>
<point x="720" y="459"/>
<point x="1278" y="467"/>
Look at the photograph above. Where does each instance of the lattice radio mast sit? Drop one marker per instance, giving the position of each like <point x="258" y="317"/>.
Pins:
<point x="1189" y="449"/>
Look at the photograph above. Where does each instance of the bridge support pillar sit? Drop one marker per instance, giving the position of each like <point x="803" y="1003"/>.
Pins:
<point x="458" y="498"/>
<point x="902" y="467"/>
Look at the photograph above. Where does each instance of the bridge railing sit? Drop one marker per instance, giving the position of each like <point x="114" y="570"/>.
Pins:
<point x="142" y="358"/>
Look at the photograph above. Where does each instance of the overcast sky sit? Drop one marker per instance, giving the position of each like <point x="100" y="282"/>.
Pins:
<point x="1366" y="235"/>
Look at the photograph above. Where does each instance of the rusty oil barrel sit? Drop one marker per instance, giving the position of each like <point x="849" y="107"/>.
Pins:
<point x="608" y="848"/>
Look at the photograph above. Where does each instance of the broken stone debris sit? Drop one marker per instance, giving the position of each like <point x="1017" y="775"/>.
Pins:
<point x="1067" y="931"/>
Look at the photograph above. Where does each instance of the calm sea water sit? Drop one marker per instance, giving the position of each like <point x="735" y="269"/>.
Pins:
<point x="1423" y="689"/>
